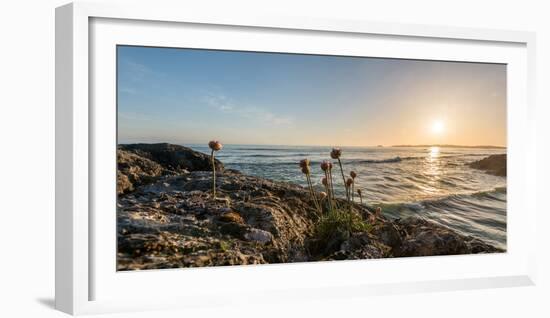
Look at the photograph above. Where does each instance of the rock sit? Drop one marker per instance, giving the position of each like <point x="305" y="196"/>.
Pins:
<point x="173" y="157"/>
<point x="260" y="236"/>
<point x="324" y="247"/>
<point x="123" y="183"/>
<point x="389" y="234"/>
<point x="140" y="164"/>
<point x="257" y="222"/>
<point x="232" y="216"/>
<point x="234" y="229"/>
<point x="134" y="170"/>
<point x="425" y="238"/>
<point x="359" y="246"/>
<point x="494" y="164"/>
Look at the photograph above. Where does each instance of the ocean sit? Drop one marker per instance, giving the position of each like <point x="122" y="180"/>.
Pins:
<point x="434" y="183"/>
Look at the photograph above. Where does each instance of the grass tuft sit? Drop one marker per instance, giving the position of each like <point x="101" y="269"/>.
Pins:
<point x="337" y="223"/>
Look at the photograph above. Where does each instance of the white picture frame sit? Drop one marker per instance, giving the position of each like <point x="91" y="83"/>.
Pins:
<point x="86" y="278"/>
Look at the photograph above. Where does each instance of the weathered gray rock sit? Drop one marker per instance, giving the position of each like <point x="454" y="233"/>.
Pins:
<point x="251" y="223"/>
<point x="260" y="236"/>
<point x="134" y="170"/>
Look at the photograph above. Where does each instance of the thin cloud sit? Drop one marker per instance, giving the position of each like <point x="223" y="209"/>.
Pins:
<point x="223" y="104"/>
<point x="136" y="71"/>
<point x="128" y="90"/>
<point x="265" y="116"/>
<point x="133" y="116"/>
<point x="226" y="108"/>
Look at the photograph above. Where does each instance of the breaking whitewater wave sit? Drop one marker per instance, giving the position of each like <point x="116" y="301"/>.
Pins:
<point x="431" y="183"/>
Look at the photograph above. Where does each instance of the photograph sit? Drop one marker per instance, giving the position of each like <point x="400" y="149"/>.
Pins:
<point x="247" y="158"/>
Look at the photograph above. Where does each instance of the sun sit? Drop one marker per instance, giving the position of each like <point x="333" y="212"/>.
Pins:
<point x="438" y="127"/>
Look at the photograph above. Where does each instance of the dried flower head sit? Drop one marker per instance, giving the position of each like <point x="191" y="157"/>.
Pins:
<point x="326" y="165"/>
<point x="353" y="174"/>
<point x="349" y="182"/>
<point x="372" y="218"/>
<point x="215" y="145"/>
<point x="359" y="191"/>
<point x="336" y="153"/>
<point x="324" y="181"/>
<point x="378" y="211"/>
<point x="305" y="170"/>
<point x="322" y="195"/>
<point x="304" y="163"/>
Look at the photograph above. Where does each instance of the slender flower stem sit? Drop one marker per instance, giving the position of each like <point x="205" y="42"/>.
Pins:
<point x="348" y="189"/>
<point x="213" y="174"/>
<point x="312" y="192"/>
<point x="328" y="198"/>
<point x="327" y="187"/>
<point x="343" y="177"/>
<point x="361" y="198"/>
<point x="352" y="192"/>
<point x="330" y="182"/>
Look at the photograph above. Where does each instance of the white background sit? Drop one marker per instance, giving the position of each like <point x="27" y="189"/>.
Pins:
<point x="27" y="158"/>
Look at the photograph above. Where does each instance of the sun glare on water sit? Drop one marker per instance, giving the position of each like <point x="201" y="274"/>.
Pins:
<point x="434" y="151"/>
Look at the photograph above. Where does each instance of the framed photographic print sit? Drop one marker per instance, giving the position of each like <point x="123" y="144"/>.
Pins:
<point x="234" y="155"/>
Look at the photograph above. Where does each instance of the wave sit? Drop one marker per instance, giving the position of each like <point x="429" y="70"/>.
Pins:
<point x="317" y="162"/>
<point x="389" y="160"/>
<point x="268" y="155"/>
<point x="396" y="159"/>
<point x="451" y="201"/>
<point x="282" y="149"/>
<point x="293" y="154"/>
<point x="399" y="159"/>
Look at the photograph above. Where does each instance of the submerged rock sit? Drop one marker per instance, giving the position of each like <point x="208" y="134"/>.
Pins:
<point x="494" y="164"/>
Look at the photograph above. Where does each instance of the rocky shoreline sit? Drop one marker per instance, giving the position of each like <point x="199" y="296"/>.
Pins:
<point x="167" y="218"/>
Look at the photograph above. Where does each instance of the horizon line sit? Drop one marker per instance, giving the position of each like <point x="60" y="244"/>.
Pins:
<point x="314" y="145"/>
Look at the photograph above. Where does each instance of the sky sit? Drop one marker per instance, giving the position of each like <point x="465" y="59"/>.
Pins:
<point x="191" y="96"/>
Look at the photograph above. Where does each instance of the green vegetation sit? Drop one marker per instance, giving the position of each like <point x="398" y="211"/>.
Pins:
<point x="224" y="246"/>
<point x="337" y="223"/>
<point x="334" y="220"/>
